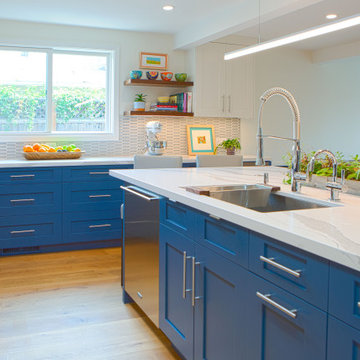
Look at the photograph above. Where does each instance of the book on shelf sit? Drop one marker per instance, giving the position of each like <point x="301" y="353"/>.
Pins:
<point x="183" y="101"/>
<point x="163" y="107"/>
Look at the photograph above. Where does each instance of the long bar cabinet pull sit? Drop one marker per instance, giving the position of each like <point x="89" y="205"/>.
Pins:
<point x="270" y="261"/>
<point x="193" y="297"/>
<point x="267" y="298"/>
<point x="99" y="226"/>
<point x="185" y="258"/>
<point x="22" y="231"/>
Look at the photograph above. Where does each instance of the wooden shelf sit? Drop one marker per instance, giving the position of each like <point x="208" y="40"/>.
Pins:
<point x="157" y="113"/>
<point x="144" y="82"/>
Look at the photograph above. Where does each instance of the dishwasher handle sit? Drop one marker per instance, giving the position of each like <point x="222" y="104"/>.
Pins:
<point x="131" y="189"/>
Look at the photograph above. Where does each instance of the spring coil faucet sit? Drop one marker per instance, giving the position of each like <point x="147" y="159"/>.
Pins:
<point x="295" y="174"/>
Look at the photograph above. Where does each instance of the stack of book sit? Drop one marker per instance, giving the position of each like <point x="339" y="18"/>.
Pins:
<point x="183" y="101"/>
<point x="163" y="107"/>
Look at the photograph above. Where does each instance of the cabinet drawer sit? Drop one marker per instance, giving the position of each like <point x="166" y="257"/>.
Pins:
<point x="294" y="270"/>
<point x="30" y="230"/>
<point x="91" y="173"/>
<point x="28" y="176"/>
<point x="344" y="295"/>
<point x="92" y="226"/>
<point x="178" y="217"/>
<point x="88" y="196"/>
<point x="343" y="341"/>
<point x="19" y="199"/>
<point x="280" y="326"/>
<point x="224" y="238"/>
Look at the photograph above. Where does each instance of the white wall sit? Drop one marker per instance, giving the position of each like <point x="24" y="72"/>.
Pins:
<point x="129" y="44"/>
<point x="327" y="95"/>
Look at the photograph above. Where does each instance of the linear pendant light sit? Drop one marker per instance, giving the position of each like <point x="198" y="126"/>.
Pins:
<point x="292" y="38"/>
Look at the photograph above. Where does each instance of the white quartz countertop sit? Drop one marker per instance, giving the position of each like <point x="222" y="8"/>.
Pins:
<point x="327" y="232"/>
<point x="84" y="161"/>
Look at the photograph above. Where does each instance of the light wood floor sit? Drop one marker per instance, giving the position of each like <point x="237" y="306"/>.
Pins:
<point x="68" y="305"/>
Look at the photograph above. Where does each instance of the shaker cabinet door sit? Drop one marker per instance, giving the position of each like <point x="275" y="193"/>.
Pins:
<point x="219" y="307"/>
<point x="281" y="326"/>
<point x="176" y="312"/>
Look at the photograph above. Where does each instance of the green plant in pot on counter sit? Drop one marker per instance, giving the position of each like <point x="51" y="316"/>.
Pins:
<point x="230" y="145"/>
<point x="139" y="102"/>
<point x="324" y="167"/>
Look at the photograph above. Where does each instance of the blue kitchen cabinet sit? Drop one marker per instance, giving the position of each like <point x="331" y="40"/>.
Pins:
<point x="219" y="307"/>
<point x="344" y="295"/>
<point x="176" y="316"/>
<point x="34" y="199"/>
<point x="298" y="272"/>
<point x="201" y="302"/>
<point x="343" y="341"/>
<point x="281" y="326"/>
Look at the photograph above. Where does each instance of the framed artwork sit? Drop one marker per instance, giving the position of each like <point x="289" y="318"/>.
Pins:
<point x="201" y="139"/>
<point x="153" y="61"/>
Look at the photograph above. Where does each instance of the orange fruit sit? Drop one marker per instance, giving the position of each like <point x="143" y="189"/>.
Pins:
<point x="28" y="148"/>
<point x="36" y="147"/>
<point x="77" y="149"/>
<point x="42" y="149"/>
<point x="51" y="149"/>
<point x="47" y="147"/>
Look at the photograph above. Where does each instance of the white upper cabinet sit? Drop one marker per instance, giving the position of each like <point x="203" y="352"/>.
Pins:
<point x="223" y="88"/>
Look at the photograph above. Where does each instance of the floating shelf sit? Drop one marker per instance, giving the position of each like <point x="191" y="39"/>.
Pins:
<point x="157" y="113"/>
<point x="144" y="82"/>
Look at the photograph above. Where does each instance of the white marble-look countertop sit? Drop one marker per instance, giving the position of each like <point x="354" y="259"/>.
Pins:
<point x="327" y="232"/>
<point x="85" y="161"/>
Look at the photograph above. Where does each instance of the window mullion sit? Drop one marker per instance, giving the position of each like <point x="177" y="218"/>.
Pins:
<point x="49" y="92"/>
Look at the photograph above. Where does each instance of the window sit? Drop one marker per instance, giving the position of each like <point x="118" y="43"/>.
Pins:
<point x="55" y="92"/>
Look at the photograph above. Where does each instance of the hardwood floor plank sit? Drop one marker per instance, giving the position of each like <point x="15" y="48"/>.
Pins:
<point x="69" y="306"/>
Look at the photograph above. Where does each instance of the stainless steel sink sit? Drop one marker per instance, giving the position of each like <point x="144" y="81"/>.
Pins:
<point x="260" y="198"/>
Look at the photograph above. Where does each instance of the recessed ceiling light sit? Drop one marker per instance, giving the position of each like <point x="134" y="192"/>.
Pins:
<point x="331" y="16"/>
<point x="168" y="7"/>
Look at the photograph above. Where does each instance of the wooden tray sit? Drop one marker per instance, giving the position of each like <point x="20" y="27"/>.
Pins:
<point x="53" y="155"/>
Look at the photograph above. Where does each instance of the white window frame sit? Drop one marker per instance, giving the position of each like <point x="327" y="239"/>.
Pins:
<point x="112" y="113"/>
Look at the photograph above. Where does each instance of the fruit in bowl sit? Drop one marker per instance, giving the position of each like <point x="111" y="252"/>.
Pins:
<point x="152" y="75"/>
<point x="181" y="77"/>
<point x="50" y="149"/>
<point x="167" y="75"/>
<point x="135" y="74"/>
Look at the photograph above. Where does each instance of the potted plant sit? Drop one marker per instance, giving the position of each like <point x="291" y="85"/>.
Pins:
<point x="231" y="145"/>
<point x="139" y="102"/>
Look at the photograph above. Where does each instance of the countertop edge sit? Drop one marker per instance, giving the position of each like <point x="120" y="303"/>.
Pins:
<point x="309" y="245"/>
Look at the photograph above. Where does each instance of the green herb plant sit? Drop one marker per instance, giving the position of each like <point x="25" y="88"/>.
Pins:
<point x="324" y="166"/>
<point x="140" y="98"/>
<point x="229" y="144"/>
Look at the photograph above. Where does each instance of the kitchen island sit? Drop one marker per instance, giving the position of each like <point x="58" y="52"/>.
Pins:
<point x="240" y="284"/>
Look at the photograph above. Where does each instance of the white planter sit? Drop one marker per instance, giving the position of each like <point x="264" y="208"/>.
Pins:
<point x="350" y="186"/>
<point x="139" y="106"/>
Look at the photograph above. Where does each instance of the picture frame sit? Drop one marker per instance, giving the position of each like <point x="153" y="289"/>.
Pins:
<point x="153" y="61"/>
<point x="201" y="139"/>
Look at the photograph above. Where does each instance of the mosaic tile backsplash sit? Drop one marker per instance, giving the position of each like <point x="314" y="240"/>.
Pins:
<point x="133" y="136"/>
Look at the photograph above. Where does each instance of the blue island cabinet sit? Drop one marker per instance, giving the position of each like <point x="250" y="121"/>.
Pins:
<point x="201" y="308"/>
<point x="281" y="326"/>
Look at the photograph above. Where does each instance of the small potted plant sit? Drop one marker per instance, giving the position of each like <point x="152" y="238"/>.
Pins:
<point x="139" y="102"/>
<point x="231" y="145"/>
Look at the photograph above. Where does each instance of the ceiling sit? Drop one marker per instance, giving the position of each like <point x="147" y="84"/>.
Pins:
<point x="193" y="21"/>
<point x="139" y="15"/>
<point x="309" y="17"/>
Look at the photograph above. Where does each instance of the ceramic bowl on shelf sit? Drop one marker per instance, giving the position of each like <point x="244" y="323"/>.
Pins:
<point x="166" y="75"/>
<point x="152" y="75"/>
<point x="181" y="77"/>
<point x="135" y="74"/>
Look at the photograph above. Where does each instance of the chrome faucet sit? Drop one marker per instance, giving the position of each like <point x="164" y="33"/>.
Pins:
<point x="333" y="185"/>
<point x="295" y="174"/>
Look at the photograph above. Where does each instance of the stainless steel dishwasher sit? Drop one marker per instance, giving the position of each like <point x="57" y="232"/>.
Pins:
<point x="141" y="249"/>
